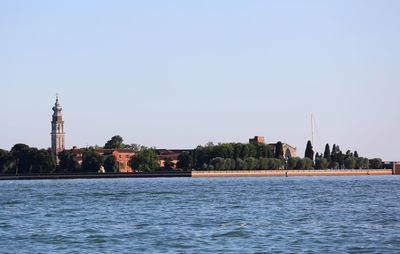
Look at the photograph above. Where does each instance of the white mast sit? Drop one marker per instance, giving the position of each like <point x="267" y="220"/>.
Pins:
<point x="312" y="130"/>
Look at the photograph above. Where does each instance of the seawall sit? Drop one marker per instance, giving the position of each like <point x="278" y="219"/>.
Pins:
<point x="95" y="176"/>
<point x="233" y="173"/>
<point x="326" y="172"/>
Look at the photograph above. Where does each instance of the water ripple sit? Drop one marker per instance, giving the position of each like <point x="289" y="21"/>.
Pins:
<point x="200" y="215"/>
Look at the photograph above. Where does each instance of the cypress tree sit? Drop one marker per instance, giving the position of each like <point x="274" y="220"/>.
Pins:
<point x="279" y="150"/>
<point x="309" y="151"/>
<point x="333" y="153"/>
<point x="327" y="153"/>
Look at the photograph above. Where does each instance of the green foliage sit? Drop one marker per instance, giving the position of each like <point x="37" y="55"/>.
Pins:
<point x="321" y="163"/>
<point x="240" y="164"/>
<point x="20" y="153"/>
<point x="6" y="162"/>
<point x="218" y="163"/>
<point x="361" y="163"/>
<point x="263" y="163"/>
<point x="375" y="163"/>
<point x="275" y="163"/>
<point x="168" y="163"/>
<point x="230" y="164"/>
<point x="300" y="164"/>
<point x="68" y="162"/>
<point x="292" y="162"/>
<point x="308" y="163"/>
<point x="134" y="147"/>
<point x="327" y="153"/>
<point x="356" y="154"/>
<point x="309" y="151"/>
<point x="184" y="161"/>
<point x="41" y="161"/>
<point x="350" y="163"/>
<point x="251" y="163"/>
<point x="279" y="150"/>
<point x="30" y="160"/>
<point x="204" y="154"/>
<point x="110" y="164"/>
<point x="115" y="142"/>
<point x="145" y="160"/>
<point x="91" y="161"/>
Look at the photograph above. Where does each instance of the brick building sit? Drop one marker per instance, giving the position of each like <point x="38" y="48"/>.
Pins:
<point x="122" y="156"/>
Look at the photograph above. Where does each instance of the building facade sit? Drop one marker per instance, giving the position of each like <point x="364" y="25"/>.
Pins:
<point x="288" y="150"/>
<point x="57" y="131"/>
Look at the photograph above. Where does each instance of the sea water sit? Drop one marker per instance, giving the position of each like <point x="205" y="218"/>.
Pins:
<point x="202" y="215"/>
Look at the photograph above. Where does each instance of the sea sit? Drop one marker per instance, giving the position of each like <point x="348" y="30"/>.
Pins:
<point x="344" y="214"/>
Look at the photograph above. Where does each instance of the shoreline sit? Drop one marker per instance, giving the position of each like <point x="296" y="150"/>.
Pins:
<point x="195" y="173"/>
<point x="288" y="173"/>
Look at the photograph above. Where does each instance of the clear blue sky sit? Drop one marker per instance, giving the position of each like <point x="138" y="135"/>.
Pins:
<point x="176" y="74"/>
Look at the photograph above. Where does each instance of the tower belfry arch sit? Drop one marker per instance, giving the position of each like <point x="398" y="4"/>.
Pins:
<point x="57" y="131"/>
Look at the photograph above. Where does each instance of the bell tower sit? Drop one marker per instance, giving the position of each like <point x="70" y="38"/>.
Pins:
<point x="57" y="131"/>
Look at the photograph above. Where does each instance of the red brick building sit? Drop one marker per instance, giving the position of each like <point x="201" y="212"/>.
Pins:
<point x="122" y="156"/>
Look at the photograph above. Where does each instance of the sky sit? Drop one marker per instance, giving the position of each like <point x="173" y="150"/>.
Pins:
<point x="177" y="74"/>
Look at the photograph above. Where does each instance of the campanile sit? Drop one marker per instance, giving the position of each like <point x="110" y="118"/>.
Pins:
<point x="57" y="131"/>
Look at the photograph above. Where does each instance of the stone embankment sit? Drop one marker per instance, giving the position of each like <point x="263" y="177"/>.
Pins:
<point x="327" y="172"/>
<point x="237" y="173"/>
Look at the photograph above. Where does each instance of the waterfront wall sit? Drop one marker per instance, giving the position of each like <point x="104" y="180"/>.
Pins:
<point x="326" y="172"/>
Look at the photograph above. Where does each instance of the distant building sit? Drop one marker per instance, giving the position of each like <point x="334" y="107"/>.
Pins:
<point x="288" y="150"/>
<point x="257" y="140"/>
<point x="57" y="131"/>
<point x="173" y="154"/>
<point x="122" y="156"/>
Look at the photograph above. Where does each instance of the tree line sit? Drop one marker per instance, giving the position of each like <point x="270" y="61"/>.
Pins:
<point x="22" y="159"/>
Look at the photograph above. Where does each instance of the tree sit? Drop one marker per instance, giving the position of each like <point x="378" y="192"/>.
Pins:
<point x="308" y="163"/>
<point x="333" y="153"/>
<point x="91" y="161"/>
<point x="68" y="162"/>
<point x="168" y="163"/>
<point x="350" y="163"/>
<point x="145" y="160"/>
<point x="327" y="153"/>
<point x="230" y="164"/>
<point x="240" y="164"/>
<point x="20" y="153"/>
<point x="321" y="163"/>
<point x="340" y="159"/>
<point x="276" y="163"/>
<point x="292" y="162"/>
<point x="251" y="163"/>
<point x="309" y="151"/>
<point x="135" y="147"/>
<point x="218" y="163"/>
<point x="355" y="154"/>
<point x="6" y="162"/>
<point x="42" y="161"/>
<point x="184" y="161"/>
<point x="279" y="150"/>
<point x="361" y="163"/>
<point x="263" y="163"/>
<point x="300" y="164"/>
<point x="375" y="163"/>
<point x="115" y="142"/>
<point x="110" y="164"/>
